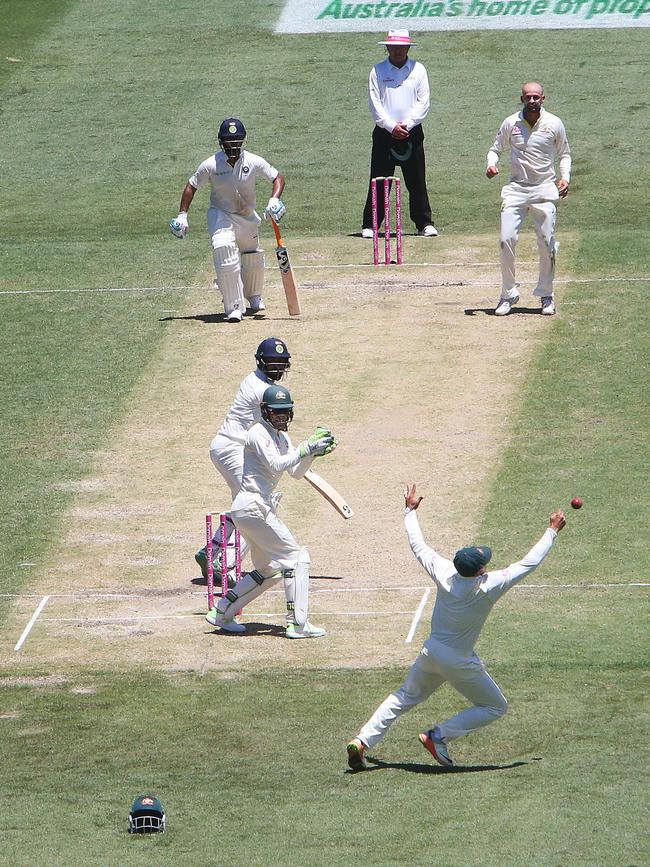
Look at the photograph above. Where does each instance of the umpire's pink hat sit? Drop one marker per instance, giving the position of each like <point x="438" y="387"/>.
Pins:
<point x="397" y="37"/>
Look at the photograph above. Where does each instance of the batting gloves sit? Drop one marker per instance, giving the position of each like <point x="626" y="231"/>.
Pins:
<point x="275" y="209"/>
<point x="180" y="227"/>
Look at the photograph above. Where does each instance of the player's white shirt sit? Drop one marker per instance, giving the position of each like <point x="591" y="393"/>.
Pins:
<point x="398" y="95"/>
<point x="233" y="187"/>
<point x="267" y="454"/>
<point x="533" y="150"/>
<point x="463" y="604"/>
<point x="245" y="410"/>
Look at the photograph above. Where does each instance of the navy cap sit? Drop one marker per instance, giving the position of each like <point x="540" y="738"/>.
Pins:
<point x="469" y="560"/>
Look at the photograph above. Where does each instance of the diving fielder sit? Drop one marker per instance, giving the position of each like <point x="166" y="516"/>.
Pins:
<point x="466" y="592"/>
<point x="227" y="448"/>
<point x="274" y="551"/>
<point x="536" y="138"/>
<point x="233" y="223"/>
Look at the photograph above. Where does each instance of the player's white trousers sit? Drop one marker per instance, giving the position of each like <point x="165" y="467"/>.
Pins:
<point x="228" y="458"/>
<point x="429" y="671"/>
<point x="274" y="549"/>
<point x="539" y="202"/>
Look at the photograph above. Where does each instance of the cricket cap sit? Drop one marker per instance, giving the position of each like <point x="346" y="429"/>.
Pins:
<point x="469" y="560"/>
<point x="397" y="37"/>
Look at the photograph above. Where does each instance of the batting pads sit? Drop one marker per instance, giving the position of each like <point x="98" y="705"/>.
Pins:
<point x="228" y="270"/>
<point x="252" y="273"/>
<point x="296" y="587"/>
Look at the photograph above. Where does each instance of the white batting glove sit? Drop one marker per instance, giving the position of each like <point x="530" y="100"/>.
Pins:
<point x="275" y="209"/>
<point x="179" y="226"/>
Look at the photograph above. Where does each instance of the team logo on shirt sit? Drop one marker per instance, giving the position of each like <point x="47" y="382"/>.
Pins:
<point x="245" y="170"/>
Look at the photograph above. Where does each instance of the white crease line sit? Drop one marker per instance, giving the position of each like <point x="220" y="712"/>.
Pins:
<point x="27" y="630"/>
<point x="417" y="615"/>
<point x="90" y="594"/>
<point x="253" y="616"/>
<point x="567" y="280"/>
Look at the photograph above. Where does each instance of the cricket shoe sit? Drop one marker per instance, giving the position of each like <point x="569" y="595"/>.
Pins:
<point x="505" y="305"/>
<point x="357" y="755"/>
<point x="257" y="304"/>
<point x="428" y="232"/>
<point x="234" y="315"/>
<point x="367" y="234"/>
<point x="216" y="618"/>
<point x="307" y="631"/>
<point x="548" y="306"/>
<point x="437" y="747"/>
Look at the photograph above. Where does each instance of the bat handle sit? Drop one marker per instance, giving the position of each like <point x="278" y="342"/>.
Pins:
<point x="278" y="236"/>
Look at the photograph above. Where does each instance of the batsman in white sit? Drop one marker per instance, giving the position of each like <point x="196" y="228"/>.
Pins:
<point x="227" y="448"/>
<point x="466" y="593"/>
<point x="274" y="551"/>
<point x="233" y="223"/>
<point x="535" y="138"/>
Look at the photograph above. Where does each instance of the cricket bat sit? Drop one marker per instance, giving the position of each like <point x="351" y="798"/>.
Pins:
<point x="286" y="272"/>
<point x="331" y="494"/>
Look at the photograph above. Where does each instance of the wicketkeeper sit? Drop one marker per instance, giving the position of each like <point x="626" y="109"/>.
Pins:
<point x="227" y="448"/>
<point x="233" y="223"/>
<point x="274" y="551"/>
<point x="466" y="592"/>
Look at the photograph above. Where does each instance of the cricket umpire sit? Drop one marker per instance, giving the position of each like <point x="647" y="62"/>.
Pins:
<point x="399" y="102"/>
<point x="466" y="593"/>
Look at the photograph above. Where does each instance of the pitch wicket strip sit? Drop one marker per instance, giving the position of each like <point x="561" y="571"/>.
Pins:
<point x="389" y="183"/>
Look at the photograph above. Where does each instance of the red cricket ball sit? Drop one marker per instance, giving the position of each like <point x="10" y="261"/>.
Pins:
<point x="576" y="503"/>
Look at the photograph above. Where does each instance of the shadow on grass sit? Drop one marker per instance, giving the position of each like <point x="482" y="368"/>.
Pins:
<point x="421" y="768"/>
<point x="489" y="311"/>
<point x="220" y="318"/>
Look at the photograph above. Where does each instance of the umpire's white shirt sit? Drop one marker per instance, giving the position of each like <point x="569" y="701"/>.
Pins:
<point x="463" y="604"/>
<point x="267" y="454"/>
<point x="233" y="187"/>
<point x="533" y="150"/>
<point x="245" y="410"/>
<point x="398" y="94"/>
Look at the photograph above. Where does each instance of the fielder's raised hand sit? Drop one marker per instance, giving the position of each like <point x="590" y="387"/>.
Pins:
<point x="411" y="499"/>
<point x="558" y="520"/>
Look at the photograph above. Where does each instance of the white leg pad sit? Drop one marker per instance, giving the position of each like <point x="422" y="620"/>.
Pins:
<point x="252" y="273"/>
<point x="296" y="588"/>
<point x="249" y="588"/>
<point x="228" y="270"/>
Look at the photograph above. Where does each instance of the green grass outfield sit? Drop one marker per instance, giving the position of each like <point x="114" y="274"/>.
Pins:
<point x="108" y="110"/>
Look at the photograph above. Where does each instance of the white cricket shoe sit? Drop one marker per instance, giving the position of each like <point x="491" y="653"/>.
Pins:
<point x="505" y="305"/>
<point x="428" y="232"/>
<point x="216" y="618"/>
<point x="234" y="316"/>
<point x="256" y="303"/>
<point x="307" y="631"/>
<point x="548" y="306"/>
<point x="367" y="234"/>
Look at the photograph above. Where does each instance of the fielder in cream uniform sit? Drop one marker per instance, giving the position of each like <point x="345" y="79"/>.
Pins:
<point x="466" y="593"/>
<point x="274" y="551"/>
<point x="536" y="138"/>
<point x="233" y="223"/>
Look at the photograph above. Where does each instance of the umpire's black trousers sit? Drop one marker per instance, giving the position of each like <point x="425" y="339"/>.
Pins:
<point x="383" y="162"/>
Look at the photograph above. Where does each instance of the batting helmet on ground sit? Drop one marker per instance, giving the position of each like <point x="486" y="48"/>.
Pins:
<point x="147" y="816"/>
